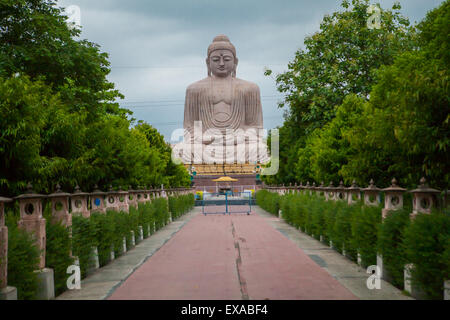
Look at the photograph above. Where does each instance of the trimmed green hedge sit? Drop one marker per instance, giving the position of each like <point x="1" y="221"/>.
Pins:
<point x="268" y="200"/>
<point x="104" y="231"/>
<point x="23" y="260"/>
<point x="57" y="254"/>
<point x="180" y="205"/>
<point x="427" y="244"/>
<point x="390" y="245"/>
<point x="424" y="241"/>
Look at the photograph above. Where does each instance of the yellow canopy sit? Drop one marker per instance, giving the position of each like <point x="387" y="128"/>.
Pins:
<point x="225" y="179"/>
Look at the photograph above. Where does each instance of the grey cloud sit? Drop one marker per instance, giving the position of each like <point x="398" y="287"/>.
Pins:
<point x="157" y="48"/>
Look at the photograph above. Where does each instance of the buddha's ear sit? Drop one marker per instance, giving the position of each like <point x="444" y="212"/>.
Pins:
<point x="236" y="62"/>
<point x="209" y="68"/>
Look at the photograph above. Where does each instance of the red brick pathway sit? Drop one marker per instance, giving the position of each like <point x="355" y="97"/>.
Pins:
<point x="233" y="257"/>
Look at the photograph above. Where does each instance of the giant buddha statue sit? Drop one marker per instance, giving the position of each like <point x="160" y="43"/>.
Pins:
<point x="223" y="110"/>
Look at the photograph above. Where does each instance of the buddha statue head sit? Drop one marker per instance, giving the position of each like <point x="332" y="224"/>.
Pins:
<point x="221" y="61"/>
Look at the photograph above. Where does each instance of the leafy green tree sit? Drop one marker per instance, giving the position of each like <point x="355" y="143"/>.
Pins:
<point x="60" y="119"/>
<point x="22" y="124"/>
<point x="326" y="151"/>
<point x="35" y="40"/>
<point x="338" y="60"/>
<point x="404" y="131"/>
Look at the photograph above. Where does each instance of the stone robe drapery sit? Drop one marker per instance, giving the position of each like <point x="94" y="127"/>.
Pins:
<point x="246" y="109"/>
<point x="245" y="113"/>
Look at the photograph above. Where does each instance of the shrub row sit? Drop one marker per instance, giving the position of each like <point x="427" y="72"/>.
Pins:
<point x="424" y="241"/>
<point x="181" y="204"/>
<point x="104" y="231"/>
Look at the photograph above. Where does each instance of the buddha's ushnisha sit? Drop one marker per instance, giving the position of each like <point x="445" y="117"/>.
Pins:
<point x="222" y="101"/>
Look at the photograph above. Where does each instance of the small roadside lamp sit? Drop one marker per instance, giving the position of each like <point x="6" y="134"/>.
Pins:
<point x="424" y="198"/>
<point x="353" y="193"/>
<point x="393" y="198"/>
<point x="313" y="189"/>
<point x="98" y="200"/>
<point x="31" y="219"/>
<point x="3" y="246"/>
<point x="60" y="207"/>
<point x="112" y="199"/>
<point x="307" y="188"/>
<point x="320" y="190"/>
<point x="372" y="194"/>
<point x="122" y="200"/>
<point x="329" y="192"/>
<point x="132" y="198"/>
<point x="140" y="195"/>
<point x="79" y="203"/>
<point x="341" y="192"/>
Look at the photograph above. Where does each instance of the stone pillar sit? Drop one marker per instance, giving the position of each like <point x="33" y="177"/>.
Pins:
<point x="133" y="239"/>
<point x="313" y="189"/>
<point x="148" y="195"/>
<point x="94" y="264"/>
<point x="140" y="195"/>
<point x="447" y="290"/>
<point x="372" y="195"/>
<point x="60" y="207"/>
<point x="122" y="200"/>
<point x="424" y="199"/>
<point x="341" y="192"/>
<point x="79" y="201"/>
<point x="98" y="200"/>
<point x="393" y="198"/>
<point x="163" y="192"/>
<point x="409" y="285"/>
<point x="353" y="194"/>
<point x="132" y="198"/>
<point x="329" y="192"/>
<point x="320" y="190"/>
<point x="6" y="293"/>
<point x="112" y="199"/>
<point x="384" y="273"/>
<point x="141" y="233"/>
<point x="447" y="199"/>
<point x="112" y="254"/>
<point x="124" y="245"/>
<point x="31" y="221"/>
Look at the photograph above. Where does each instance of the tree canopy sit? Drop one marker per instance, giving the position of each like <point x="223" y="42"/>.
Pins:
<point x="368" y="103"/>
<point x="61" y="121"/>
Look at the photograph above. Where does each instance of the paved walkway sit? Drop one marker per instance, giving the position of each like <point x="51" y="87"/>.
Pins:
<point x="232" y="257"/>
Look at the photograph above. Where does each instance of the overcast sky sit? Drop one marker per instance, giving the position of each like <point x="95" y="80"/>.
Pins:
<point x="157" y="48"/>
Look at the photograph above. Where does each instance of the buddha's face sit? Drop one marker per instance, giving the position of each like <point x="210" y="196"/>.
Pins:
<point x="221" y="63"/>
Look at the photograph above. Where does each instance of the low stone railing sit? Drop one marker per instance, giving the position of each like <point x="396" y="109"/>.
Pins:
<point x="63" y="207"/>
<point x="424" y="199"/>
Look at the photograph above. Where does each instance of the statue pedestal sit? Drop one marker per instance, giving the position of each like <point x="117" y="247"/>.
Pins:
<point x="8" y="293"/>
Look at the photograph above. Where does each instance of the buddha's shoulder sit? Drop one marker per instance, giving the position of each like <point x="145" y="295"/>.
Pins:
<point x="206" y="84"/>
<point x="199" y="85"/>
<point x="246" y="85"/>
